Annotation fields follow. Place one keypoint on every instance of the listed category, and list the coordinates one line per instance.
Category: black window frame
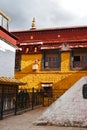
(48, 92)
(81, 62)
(18, 58)
(50, 52)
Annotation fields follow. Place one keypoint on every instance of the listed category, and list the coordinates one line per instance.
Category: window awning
(50, 47)
(10, 81)
(77, 45)
(31, 43)
(46, 84)
(59, 46)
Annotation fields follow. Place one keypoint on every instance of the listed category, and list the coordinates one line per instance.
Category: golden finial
(33, 24)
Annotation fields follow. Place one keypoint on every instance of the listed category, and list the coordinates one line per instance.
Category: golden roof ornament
(33, 24)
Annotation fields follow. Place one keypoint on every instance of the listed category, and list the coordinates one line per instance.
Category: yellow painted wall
(62, 79)
(65, 61)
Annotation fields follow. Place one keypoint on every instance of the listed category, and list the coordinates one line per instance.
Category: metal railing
(19, 100)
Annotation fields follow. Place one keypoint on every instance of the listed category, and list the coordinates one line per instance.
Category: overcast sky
(48, 13)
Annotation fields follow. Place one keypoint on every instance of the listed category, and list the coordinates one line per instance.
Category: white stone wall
(7, 59)
(68, 110)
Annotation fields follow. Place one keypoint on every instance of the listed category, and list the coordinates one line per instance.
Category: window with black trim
(18, 61)
(51, 60)
(47, 91)
(79, 59)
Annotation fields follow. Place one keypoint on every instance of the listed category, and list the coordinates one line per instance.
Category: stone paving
(26, 121)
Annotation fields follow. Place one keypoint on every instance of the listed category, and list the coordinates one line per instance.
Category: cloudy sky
(48, 13)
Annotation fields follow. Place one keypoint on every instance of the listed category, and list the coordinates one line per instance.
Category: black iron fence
(14, 100)
(28, 99)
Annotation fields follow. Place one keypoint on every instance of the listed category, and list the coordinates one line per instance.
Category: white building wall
(7, 59)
